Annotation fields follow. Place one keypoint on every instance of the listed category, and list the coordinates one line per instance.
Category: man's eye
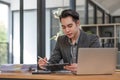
(70, 26)
(63, 27)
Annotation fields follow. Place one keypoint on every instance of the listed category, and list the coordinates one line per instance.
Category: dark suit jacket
(63, 48)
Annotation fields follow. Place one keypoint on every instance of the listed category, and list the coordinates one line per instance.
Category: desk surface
(115, 76)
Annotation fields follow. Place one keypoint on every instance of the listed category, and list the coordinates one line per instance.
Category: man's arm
(56, 55)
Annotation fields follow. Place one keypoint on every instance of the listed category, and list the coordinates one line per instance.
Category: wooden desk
(26, 76)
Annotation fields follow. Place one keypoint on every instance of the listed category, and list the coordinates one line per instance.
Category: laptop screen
(96, 60)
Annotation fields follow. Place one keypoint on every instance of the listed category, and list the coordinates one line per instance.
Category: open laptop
(96, 60)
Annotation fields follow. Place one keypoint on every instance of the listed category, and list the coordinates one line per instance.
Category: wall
(8, 1)
(32, 4)
(116, 13)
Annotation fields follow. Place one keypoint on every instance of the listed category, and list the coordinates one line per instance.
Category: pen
(43, 59)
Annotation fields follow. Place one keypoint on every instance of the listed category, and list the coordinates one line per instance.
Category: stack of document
(17, 67)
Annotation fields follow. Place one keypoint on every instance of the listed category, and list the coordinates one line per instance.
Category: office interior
(32, 26)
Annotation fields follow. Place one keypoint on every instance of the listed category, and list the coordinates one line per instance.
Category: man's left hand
(72, 67)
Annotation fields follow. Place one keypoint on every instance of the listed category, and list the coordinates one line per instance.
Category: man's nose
(67, 30)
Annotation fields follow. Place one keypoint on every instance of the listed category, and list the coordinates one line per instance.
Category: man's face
(69, 27)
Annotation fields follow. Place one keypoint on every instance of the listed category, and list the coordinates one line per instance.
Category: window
(30, 37)
(4, 11)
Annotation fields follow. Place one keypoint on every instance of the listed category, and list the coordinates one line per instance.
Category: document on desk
(41, 72)
(49, 72)
(17, 67)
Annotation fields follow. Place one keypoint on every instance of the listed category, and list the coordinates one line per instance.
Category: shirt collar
(69, 40)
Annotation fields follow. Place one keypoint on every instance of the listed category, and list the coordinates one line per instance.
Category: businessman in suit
(67, 45)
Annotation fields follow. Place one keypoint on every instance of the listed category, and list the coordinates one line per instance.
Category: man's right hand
(42, 62)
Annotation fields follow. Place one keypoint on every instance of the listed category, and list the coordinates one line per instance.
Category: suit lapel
(68, 53)
(67, 50)
(81, 39)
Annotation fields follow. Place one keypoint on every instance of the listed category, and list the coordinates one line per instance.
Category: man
(67, 45)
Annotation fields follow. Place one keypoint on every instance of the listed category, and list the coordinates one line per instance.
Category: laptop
(96, 60)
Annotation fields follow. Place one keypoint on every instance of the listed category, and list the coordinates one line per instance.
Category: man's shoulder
(89, 40)
(88, 35)
(62, 39)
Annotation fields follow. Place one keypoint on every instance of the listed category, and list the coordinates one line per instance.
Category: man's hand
(42, 62)
(72, 67)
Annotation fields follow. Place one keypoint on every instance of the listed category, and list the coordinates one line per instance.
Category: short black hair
(71, 13)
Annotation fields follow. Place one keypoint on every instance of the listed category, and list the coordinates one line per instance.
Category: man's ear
(78, 23)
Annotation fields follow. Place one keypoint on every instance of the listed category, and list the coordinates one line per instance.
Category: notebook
(96, 60)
